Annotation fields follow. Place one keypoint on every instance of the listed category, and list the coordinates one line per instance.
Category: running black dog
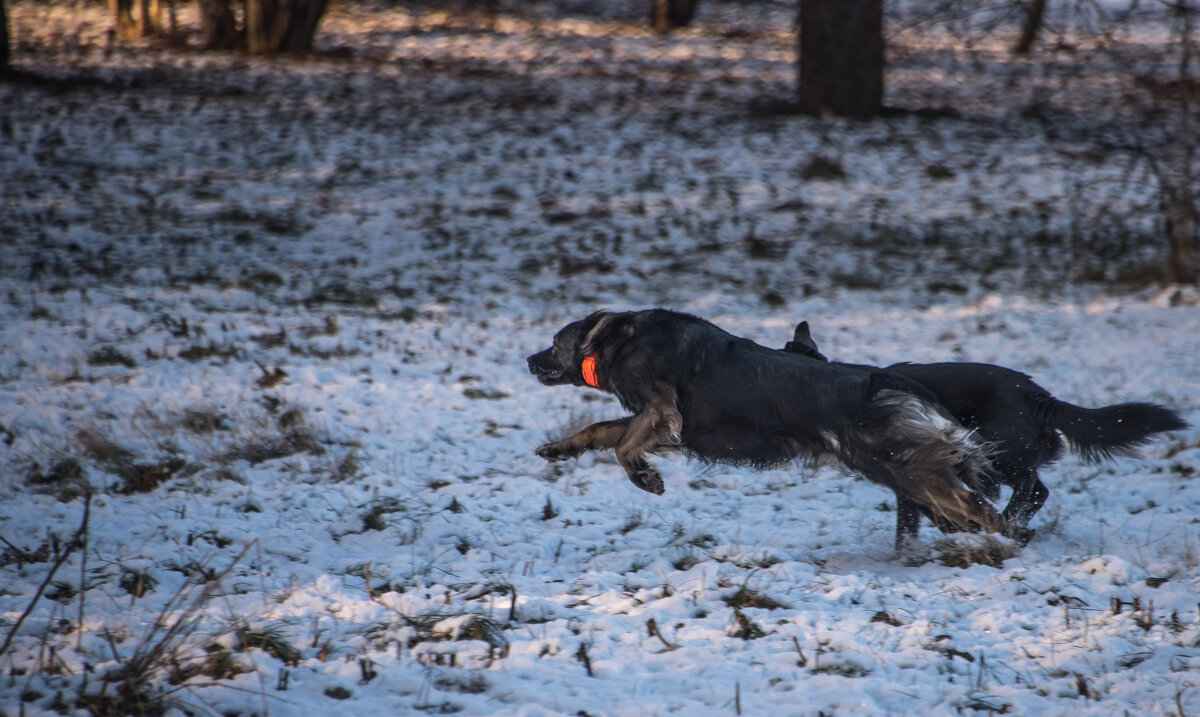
(1020, 421)
(725, 399)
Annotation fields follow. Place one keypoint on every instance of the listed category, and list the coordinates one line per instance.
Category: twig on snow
(62, 558)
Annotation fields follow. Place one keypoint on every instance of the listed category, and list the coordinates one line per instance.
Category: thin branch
(82, 577)
(12, 547)
(652, 628)
(62, 558)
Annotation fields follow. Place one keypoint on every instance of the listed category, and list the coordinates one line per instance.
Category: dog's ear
(802, 343)
(802, 335)
(608, 327)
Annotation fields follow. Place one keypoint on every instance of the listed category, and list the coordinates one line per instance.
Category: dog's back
(1004, 406)
(1008, 406)
(744, 403)
(1024, 422)
(748, 404)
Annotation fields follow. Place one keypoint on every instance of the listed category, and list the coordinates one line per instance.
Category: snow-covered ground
(273, 313)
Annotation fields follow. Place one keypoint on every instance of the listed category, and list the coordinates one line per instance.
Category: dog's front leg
(908, 522)
(596, 437)
(1029, 494)
(657, 424)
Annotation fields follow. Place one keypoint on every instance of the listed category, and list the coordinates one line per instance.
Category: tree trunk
(218, 28)
(5, 49)
(841, 57)
(172, 22)
(1035, 14)
(669, 14)
(136, 18)
(274, 26)
(1181, 256)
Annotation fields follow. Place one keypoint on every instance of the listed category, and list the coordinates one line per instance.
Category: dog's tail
(1098, 434)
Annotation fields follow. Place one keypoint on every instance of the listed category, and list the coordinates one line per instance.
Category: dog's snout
(538, 364)
(544, 366)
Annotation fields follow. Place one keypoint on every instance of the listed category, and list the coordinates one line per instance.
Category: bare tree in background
(840, 52)
(5, 49)
(136, 18)
(274, 26)
(1178, 194)
(218, 27)
(841, 57)
(1035, 16)
(271, 26)
(669, 14)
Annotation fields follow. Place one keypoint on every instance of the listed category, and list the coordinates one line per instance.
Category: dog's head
(563, 362)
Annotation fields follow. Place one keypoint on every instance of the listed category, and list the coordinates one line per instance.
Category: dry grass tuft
(267, 448)
(271, 640)
(373, 519)
(962, 550)
(203, 421)
(103, 449)
(197, 352)
(743, 627)
(136, 582)
(746, 597)
(65, 478)
(347, 468)
(472, 684)
(109, 356)
(15, 554)
(166, 654)
(137, 476)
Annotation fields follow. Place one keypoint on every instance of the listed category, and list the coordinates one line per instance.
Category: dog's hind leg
(596, 437)
(657, 424)
(958, 507)
(913, 447)
(908, 521)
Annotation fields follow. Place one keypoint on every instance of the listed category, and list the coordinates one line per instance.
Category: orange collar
(589, 371)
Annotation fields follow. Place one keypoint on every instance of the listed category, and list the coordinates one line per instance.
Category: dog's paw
(912, 552)
(1019, 534)
(648, 480)
(557, 451)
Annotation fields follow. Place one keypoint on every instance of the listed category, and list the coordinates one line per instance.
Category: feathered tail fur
(1098, 434)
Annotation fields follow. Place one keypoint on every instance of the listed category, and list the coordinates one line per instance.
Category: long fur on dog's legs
(949, 501)
(596, 437)
(656, 424)
(912, 447)
(632, 436)
(659, 423)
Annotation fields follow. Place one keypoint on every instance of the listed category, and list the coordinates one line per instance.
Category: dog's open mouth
(546, 375)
